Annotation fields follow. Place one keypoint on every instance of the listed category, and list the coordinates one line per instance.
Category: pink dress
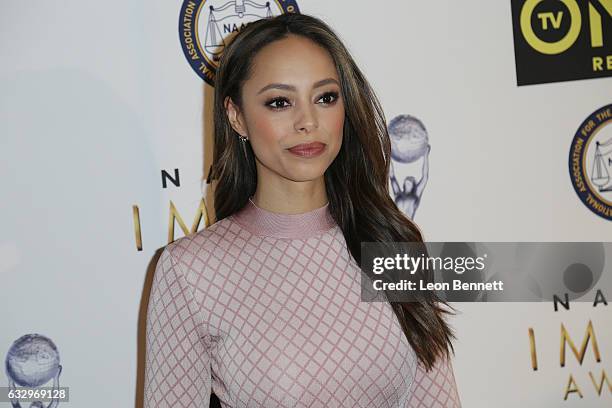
(265, 310)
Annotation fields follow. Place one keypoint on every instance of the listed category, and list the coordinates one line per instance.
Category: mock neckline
(267, 223)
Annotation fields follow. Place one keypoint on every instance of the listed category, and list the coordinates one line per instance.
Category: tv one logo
(562, 40)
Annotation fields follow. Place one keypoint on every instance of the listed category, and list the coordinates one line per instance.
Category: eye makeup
(282, 100)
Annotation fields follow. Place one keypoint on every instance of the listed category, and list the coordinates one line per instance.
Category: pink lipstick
(308, 149)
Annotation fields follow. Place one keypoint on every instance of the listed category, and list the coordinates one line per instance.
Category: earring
(243, 138)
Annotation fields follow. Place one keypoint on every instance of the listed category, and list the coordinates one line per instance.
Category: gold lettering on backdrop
(607, 114)
(565, 338)
(555, 20)
(188, 31)
(551, 48)
(598, 63)
(206, 71)
(572, 385)
(604, 377)
(575, 25)
(174, 215)
(532, 346)
(137, 234)
(600, 382)
(587, 128)
(596, 24)
(597, 206)
(576, 169)
(569, 390)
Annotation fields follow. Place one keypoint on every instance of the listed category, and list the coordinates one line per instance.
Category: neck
(281, 195)
(264, 222)
(288, 209)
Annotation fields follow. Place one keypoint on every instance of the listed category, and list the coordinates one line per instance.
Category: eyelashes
(280, 102)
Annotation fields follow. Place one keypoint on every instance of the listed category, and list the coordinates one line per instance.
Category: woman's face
(292, 98)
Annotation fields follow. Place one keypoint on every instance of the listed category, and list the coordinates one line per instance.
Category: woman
(263, 307)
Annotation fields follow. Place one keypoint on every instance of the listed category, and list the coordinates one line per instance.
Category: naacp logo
(590, 162)
(562, 40)
(204, 25)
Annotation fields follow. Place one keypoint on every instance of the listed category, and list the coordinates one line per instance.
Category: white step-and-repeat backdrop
(105, 119)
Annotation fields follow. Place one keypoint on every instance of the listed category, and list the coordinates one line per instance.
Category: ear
(235, 116)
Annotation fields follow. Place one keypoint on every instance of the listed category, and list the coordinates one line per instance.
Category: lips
(308, 149)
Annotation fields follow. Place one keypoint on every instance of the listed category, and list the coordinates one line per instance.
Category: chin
(305, 175)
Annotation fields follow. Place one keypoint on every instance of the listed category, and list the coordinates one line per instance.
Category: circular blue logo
(590, 162)
(203, 26)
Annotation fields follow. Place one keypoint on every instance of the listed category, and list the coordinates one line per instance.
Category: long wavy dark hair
(357, 180)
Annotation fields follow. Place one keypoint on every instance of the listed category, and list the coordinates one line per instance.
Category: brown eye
(277, 103)
(329, 98)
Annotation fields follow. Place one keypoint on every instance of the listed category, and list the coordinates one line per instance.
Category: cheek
(267, 128)
(335, 125)
(266, 133)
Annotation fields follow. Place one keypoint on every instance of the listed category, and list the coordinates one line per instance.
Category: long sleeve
(177, 365)
(436, 388)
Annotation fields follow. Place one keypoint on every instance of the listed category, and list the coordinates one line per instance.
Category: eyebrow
(293, 88)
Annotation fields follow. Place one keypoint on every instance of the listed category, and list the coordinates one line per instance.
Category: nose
(306, 120)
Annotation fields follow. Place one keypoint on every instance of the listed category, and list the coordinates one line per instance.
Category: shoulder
(194, 250)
